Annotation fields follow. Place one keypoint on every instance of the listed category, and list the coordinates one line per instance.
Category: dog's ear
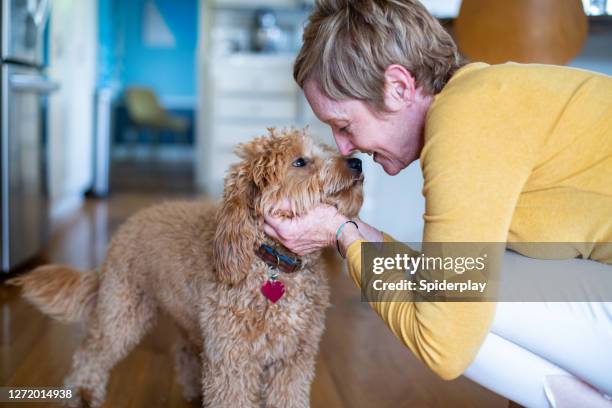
(234, 242)
(263, 155)
(237, 230)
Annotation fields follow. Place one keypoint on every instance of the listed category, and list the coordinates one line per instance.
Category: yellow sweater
(512, 152)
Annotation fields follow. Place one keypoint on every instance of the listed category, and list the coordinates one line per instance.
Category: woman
(511, 152)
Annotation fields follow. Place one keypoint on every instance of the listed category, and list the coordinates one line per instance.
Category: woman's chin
(391, 170)
(388, 166)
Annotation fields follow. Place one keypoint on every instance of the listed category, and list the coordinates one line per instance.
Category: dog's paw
(193, 395)
(196, 401)
(82, 398)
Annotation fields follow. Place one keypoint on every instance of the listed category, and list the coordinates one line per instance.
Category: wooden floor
(360, 363)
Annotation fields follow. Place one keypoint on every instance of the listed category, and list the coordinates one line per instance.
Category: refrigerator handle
(32, 83)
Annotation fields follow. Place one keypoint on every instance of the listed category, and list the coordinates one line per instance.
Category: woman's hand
(305, 234)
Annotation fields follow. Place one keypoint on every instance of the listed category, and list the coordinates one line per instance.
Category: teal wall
(125, 60)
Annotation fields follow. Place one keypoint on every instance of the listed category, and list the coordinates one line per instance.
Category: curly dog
(198, 263)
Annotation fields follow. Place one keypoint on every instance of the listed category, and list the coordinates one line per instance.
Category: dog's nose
(354, 164)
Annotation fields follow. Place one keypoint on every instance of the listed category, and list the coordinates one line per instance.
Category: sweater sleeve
(443, 335)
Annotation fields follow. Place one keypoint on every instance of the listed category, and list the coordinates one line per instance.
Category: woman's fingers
(306, 233)
(303, 250)
(280, 229)
(283, 206)
(271, 232)
(271, 220)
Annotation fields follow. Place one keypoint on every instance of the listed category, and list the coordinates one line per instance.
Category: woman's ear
(234, 242)
(399, 90)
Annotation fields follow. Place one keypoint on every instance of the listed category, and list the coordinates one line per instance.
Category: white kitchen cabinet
(282, 108)
(244, 94)
(257, 3)
(229, 135)
(257, 80)
(72, 65)
(439, 8)
(443, 8)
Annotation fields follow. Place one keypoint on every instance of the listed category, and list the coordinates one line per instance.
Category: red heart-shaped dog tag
(273, 290)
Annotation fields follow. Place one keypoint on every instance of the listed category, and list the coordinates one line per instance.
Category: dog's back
(164, 250)
(168, 248)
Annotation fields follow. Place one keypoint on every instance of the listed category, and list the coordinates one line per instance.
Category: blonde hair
(348, 45)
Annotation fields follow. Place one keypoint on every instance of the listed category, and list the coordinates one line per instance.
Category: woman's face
(393, 139)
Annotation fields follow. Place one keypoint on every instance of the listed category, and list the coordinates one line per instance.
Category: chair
(145, 112)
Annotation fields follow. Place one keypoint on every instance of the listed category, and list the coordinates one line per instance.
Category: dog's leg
(231, 386)
(288, 381)
(231, 375)
(188, 365)
(121, 318)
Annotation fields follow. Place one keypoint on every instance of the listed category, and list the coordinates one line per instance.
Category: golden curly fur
(196, 262)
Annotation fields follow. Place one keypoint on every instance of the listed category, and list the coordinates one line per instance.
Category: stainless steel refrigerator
(23, 171)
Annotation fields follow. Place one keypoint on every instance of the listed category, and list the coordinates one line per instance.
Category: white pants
(531, 343)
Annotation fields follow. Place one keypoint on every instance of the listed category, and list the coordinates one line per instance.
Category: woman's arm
(364, 232)
(444, 335)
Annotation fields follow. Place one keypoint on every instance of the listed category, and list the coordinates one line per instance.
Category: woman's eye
(299, 162)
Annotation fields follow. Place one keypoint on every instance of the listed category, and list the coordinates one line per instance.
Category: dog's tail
(62, 292)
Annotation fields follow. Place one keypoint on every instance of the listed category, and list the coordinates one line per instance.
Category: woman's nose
(344, 144)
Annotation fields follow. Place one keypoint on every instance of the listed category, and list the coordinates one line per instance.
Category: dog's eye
(299, 163)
